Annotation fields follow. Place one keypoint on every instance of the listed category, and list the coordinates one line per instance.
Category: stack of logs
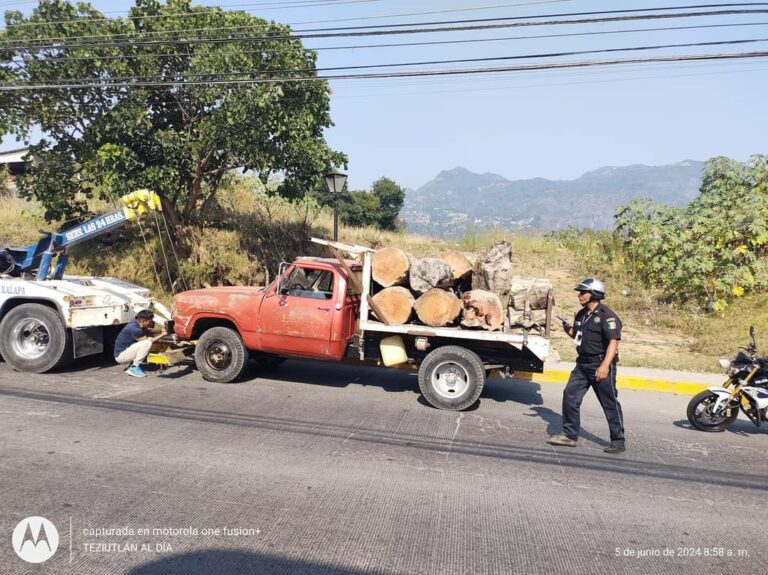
(453, 289)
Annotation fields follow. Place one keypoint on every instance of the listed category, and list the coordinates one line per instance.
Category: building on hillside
(15, 162)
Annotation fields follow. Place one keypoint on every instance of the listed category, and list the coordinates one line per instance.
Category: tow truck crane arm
(38, 257)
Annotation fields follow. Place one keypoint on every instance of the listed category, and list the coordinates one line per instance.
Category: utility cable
(221, 75)
(406, 74)
(386, 29)
(407, 44)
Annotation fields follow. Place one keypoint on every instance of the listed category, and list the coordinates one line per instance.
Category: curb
(623, 382)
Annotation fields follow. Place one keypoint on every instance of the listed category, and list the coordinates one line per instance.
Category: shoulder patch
(597, 319)
(611, 322)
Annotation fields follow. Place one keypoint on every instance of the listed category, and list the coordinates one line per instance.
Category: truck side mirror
(282, 289)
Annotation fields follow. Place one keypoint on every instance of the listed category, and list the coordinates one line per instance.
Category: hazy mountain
(457, 199)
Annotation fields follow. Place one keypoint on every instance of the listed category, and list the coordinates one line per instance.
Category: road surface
(321, 468)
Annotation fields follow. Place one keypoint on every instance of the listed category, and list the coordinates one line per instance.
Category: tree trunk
(396, 303)
(460, 264)
(389, 266)
(482, 309)
(530, 292)
(438, 308)
(428, 273)
(493, 271)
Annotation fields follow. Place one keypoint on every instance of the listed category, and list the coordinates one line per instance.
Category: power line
(220, 75)
(407, 44)
(404, 74)
(237, 7)
(152, 16)
(302, 32)
(231, 39)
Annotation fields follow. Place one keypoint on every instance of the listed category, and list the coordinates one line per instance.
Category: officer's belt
(591, 358)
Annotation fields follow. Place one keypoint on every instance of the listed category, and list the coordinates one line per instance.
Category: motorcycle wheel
(700, 413)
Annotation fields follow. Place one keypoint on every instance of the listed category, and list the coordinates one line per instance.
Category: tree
(109, 134)
(714, 249)
(379, 207)
(391, 198)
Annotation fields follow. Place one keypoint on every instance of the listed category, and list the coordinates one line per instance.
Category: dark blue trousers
(582, 378)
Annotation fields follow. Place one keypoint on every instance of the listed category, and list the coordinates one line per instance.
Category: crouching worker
(134, 342)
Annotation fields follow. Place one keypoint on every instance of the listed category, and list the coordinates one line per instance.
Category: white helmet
(593, 286)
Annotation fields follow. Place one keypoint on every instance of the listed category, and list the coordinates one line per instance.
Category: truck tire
(451, 378)
(34, 339)
(221, 355)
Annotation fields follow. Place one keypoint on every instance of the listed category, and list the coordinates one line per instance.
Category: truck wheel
(33, 339)
(221, 355)
(451, 378)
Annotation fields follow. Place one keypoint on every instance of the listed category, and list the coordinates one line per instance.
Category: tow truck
(47, 318)
(321, 308)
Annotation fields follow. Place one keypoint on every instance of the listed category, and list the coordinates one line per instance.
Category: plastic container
(392, 351)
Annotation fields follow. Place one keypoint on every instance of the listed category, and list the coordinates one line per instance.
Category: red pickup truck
(319, 308)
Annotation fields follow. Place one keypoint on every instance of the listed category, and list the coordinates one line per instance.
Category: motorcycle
(746, 388)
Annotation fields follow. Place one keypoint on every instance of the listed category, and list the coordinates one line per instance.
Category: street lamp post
(335, 184)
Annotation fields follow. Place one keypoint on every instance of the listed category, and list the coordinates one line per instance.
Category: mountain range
(458, 200)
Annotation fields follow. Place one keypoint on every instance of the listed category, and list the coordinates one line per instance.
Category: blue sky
(554, 124)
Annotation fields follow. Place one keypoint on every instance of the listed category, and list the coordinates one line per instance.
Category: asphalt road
(317, 468)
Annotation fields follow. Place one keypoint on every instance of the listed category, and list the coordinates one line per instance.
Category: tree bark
(493, 271)
(428, 273)
(530, 292)
(482, 309)
(396, 303)
(389, 266)
(438, 308)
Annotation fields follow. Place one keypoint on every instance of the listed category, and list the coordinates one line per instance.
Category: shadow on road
(739, 427)
(216, 561)
(411, 440)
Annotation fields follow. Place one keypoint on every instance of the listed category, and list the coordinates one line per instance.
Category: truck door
(297, 316)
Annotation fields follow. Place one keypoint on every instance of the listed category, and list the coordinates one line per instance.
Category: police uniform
(593, 331)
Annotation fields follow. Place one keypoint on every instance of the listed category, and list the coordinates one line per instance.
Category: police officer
(596, 331)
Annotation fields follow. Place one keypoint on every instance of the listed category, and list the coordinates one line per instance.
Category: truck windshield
(308, 282)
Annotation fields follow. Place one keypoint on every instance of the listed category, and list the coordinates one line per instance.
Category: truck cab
(309, 311)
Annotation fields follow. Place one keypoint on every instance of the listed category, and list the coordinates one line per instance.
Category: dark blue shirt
(128, 336)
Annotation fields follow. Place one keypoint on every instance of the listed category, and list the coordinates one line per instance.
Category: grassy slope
(267, 231)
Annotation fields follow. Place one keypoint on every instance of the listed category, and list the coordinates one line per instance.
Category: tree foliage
(378, 208)
(179, 139)
(712, 250)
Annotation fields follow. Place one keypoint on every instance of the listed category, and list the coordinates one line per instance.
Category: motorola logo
(35, 539)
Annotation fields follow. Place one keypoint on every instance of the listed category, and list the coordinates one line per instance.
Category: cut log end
(396, 303)
(482, 309)
(461, 267)
(389, 266)
(438, 308)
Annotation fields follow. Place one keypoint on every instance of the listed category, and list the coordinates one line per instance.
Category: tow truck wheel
(33, 339)
(221, 355)
(451, 378)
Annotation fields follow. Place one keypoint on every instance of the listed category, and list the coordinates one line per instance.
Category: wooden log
(427, 273)
(460, 264)
(396, 303)
(438, 307)
(482, 309)
(530, 292)
(493, 271)
(389, 266)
